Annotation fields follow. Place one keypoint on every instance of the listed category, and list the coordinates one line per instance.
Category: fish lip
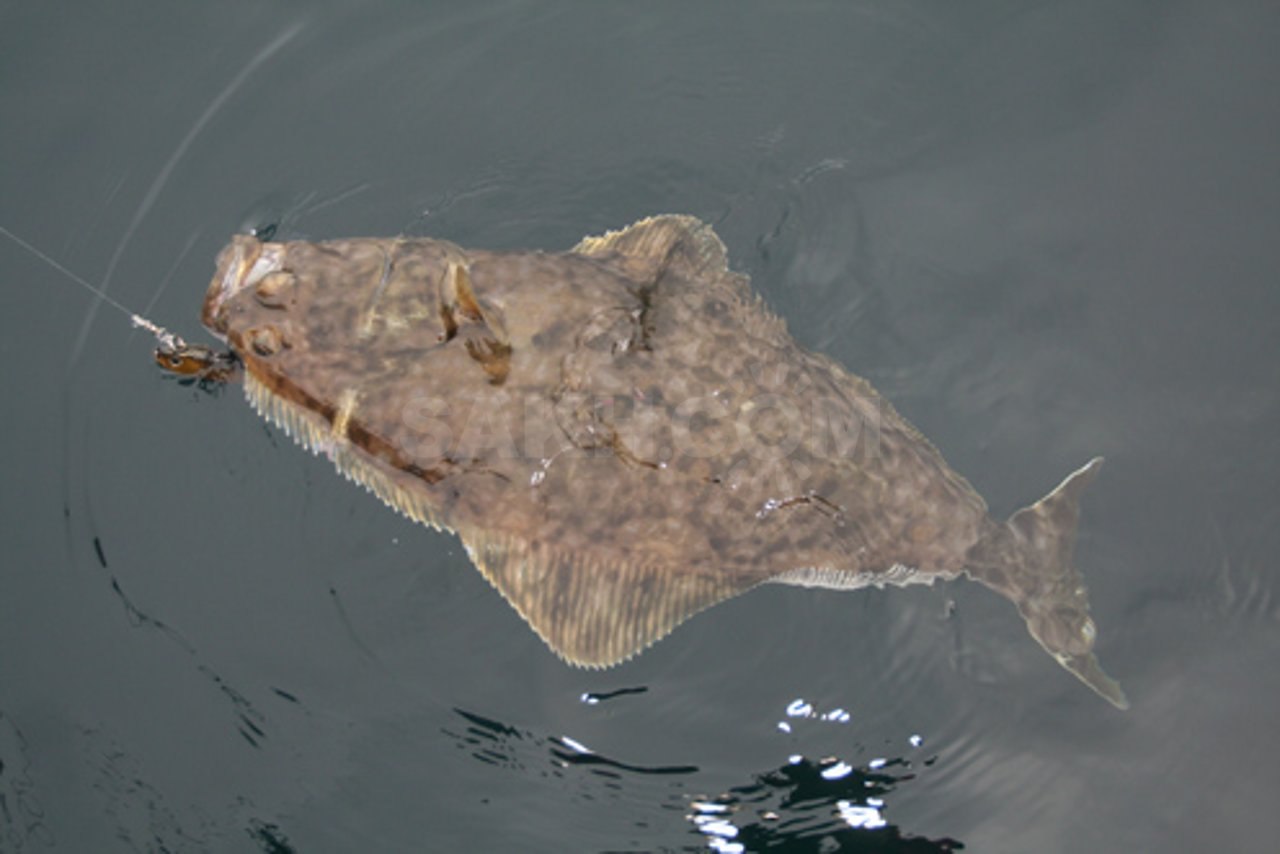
(241, 264)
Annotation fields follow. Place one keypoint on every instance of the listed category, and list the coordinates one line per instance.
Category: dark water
(1045, 231)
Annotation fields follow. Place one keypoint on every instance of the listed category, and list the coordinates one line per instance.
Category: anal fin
(591, 612)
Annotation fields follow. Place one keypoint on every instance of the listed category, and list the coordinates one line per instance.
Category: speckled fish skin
(621, 434)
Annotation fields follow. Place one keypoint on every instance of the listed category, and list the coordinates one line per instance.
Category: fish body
(621, 434)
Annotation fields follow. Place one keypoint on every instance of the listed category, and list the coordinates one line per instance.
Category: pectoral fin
(459, 305)
(481, 325)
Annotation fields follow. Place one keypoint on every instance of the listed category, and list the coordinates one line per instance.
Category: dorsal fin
(594, 613)
(681, 243)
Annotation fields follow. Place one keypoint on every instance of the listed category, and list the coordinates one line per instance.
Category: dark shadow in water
(22, 817)
(141, 816)
(249, 721)
(269, 837)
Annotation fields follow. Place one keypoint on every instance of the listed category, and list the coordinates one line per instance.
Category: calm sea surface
(1044, 231)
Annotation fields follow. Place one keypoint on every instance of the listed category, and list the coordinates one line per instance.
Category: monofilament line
(163, 336)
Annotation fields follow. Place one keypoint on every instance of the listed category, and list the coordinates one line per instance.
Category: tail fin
(1047, 587)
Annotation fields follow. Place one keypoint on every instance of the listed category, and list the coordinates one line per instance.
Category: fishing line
(164, 337)
(162, 178)
(80, 280)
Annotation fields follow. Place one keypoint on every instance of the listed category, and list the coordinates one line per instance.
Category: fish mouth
(241, 264)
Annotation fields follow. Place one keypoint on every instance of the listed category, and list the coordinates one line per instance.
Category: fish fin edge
(591, 614)
(683, 241)
(1056, 605)
(315, 434)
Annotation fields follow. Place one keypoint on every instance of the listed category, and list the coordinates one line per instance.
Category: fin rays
(592, 613)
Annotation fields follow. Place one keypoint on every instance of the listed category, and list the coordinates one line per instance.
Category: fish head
(432, 359)
(472, 391)
(364, 296)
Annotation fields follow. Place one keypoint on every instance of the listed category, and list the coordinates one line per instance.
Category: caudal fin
(1048, 589)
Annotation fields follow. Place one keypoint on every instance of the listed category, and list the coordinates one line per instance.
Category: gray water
(1044, 231)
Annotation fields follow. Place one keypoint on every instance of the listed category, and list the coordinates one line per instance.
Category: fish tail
(1030, 559)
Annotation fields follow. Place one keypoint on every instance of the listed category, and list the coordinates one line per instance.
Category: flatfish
(622, 434)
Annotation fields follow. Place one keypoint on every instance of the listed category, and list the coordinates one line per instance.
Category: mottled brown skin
(622, 434)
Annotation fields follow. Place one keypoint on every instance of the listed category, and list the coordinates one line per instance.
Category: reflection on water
(832, 803)
(813, 805)
(591, 698)
(491, 740)
(823, 803)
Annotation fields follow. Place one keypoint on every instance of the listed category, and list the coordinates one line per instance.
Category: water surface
(1044, 233)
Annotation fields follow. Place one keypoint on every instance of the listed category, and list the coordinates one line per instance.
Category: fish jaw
(243, 263)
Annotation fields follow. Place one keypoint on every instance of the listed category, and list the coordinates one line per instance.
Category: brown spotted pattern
(622, 434)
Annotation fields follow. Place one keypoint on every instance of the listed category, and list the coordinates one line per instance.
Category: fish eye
(1088, 631)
